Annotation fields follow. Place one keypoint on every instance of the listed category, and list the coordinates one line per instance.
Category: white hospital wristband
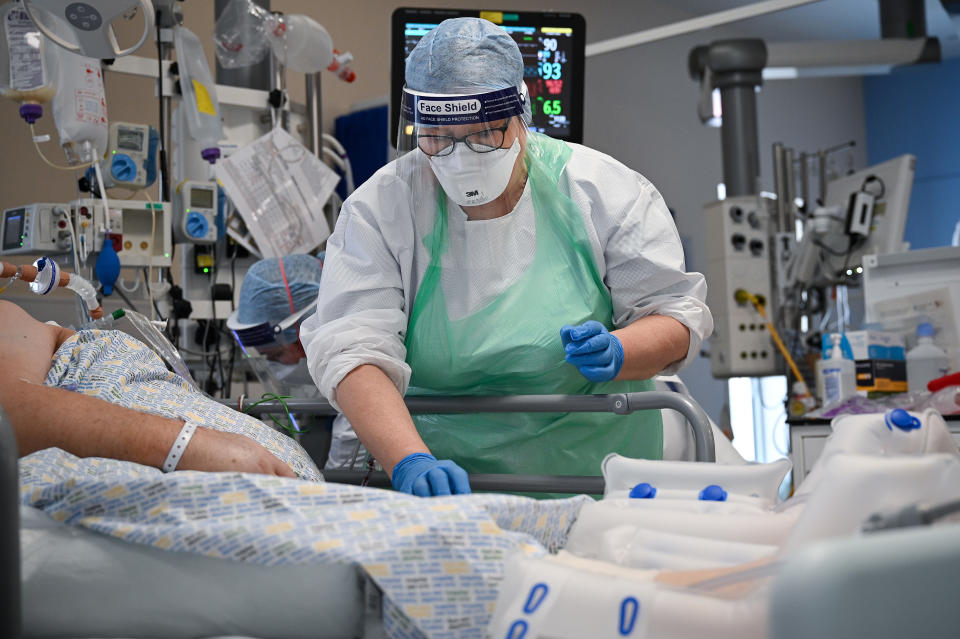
(179, 446)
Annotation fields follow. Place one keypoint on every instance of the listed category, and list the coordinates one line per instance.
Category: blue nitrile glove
(422, 475)
(593, 350)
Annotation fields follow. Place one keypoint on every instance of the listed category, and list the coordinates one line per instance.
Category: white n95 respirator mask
(470, 178)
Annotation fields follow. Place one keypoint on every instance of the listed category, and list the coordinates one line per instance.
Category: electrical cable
(126, 299)
(742, 297)
(164, 177)
(871, 179)
(218, 360)
(233, 307)
(156, 307)
(823, 247)
(121, 283)
(292, 430)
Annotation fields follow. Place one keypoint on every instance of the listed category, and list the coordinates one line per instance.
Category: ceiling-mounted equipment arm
(735, 67)
(91, 22)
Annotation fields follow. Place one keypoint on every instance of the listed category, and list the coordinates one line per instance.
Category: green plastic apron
(512, 346)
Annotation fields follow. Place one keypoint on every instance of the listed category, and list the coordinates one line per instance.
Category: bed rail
(10, 623)
(621, 403)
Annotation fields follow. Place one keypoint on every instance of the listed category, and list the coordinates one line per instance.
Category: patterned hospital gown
(115, 367)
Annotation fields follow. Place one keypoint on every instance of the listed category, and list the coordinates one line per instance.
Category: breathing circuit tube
(44, 275)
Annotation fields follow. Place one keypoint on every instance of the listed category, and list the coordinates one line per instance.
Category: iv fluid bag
(27, 59)
(199, 93)
(80, 107)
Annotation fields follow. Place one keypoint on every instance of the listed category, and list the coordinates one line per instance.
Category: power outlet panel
(738, 257)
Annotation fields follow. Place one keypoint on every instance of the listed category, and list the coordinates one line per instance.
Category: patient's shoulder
(10, 311)
(26, 345)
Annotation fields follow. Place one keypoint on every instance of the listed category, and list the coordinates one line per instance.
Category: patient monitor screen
(552, 45)
(12, 228)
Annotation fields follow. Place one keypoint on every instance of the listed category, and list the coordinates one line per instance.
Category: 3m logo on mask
(472, 193)
(448, 107)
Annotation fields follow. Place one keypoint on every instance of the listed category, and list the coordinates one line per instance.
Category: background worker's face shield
(468, 143)
(275, 354)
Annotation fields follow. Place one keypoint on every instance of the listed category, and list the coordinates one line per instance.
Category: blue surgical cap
(466, 55)
(263, 295)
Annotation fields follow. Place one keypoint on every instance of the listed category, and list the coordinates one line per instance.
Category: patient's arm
(44, 417)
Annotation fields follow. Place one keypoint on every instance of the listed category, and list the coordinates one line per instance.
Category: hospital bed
(341, 600)
(120, 567)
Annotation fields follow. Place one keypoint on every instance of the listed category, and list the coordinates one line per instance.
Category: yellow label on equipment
(495, 17)
(204, 103)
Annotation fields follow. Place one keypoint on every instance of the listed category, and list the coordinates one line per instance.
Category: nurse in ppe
(491, 260)
(275, 296)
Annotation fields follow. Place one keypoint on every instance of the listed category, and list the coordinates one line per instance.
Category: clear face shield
(274, 353)
(468, 143)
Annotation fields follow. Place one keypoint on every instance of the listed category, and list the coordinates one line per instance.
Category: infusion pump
(195, 215)
(131, 156)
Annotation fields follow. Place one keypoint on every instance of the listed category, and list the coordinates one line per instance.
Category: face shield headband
(266, 334)
(431, 109)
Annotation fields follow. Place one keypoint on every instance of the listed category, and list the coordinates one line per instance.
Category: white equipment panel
(35, 229)
(131, 222)
(738, 257)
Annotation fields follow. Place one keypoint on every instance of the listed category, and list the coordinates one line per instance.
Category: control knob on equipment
(123, 168)
(196, 225)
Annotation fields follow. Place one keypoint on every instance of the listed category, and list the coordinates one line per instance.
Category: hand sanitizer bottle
(838, 376)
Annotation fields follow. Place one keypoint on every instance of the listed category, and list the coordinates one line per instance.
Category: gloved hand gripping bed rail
(621, 404)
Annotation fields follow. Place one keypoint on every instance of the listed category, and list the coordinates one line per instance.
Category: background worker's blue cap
(263, 293)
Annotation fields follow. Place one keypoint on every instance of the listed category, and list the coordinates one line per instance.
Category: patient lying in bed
(106, 394)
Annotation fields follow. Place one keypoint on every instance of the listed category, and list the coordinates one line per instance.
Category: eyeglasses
(479, 141)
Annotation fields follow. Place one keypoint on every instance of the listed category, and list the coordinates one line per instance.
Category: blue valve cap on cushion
(901, 419)
(643, 491)
(713, 493)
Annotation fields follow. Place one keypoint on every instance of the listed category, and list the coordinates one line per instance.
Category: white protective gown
(376, 260)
